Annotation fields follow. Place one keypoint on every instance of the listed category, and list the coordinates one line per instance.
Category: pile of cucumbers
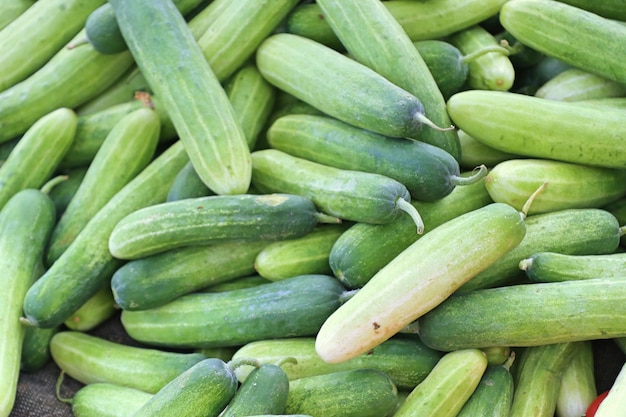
(314, 208)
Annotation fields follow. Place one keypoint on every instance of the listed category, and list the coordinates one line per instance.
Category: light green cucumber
(575, 84)
(494, 394)
(578, 382)
(553, 266)
(103, 399)
(448, 386)
(99, 308)
(475, 153)
(11, 10)
(414, 282)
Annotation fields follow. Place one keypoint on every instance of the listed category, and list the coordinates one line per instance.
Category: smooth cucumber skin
(527, 315)
(292, 307)
(99, 308)
(362, 250)
(413, 283)
(474, 153)
(202, 390)
(541, 128)
(102, 399)
(188, 185)
(211, 219)
(62, 193)
(613, 9)
(493, 396)
(588, 232)
(358, 392)
(36, 348)
(445, 62)
(11, 10)
(576, 84)
(552, 266)
(569, 186)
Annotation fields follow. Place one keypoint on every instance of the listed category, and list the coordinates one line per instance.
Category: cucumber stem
(485, 50)
(327, 218)
(509, 361)
(622, 231)
(79, 42)
(421, 117)
(478, 174)
(532, 197)
(410, 209)
(236, 363)
(286, 359)
(28, 322)
(57, 389)
(524, 264)
(53, 182)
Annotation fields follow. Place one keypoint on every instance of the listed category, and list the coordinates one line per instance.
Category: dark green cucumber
(573, 232)
(350, 195)
(238, 283)
(91, 359)
(527, 315)
(552, 266)
(611, 9)
(528, 80)
(291, 307)
(188, 185)
(494, 394)
(575, 84)
(212, 219)
(36, 348)
(102, 399)
(446, 65)
(155, 280)
(63, 192)
(351, 393)
(521, 55)
(98, 309)
(577, 388)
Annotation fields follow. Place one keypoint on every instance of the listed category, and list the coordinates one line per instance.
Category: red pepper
(593, 407)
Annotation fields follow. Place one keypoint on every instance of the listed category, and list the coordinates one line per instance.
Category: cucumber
(204, 389)
(238, 283)
(618, 209)
(37, 154)
(36, 348)
(357, 392)
(413, 283)
(87, 264)
(527, 20)
(89, 359)
(11, 10)
(528, 315)
(155, 280)
(349, 195)
(528, 80)
(588, 232)
(26, 221)
(102, 399)
(540, 128)
(494, 394)
(212, 219)
(188, 185)
(448, 387)
(521, 56)
(428, 172)
(613, 403)
(291, 307)
(215, 143)
(575, 84)
(474, 153)
(63, 192)
(98, 309)
(568, 185)
(552, 266)
(578, 382)
(126, 151)
(362, 250)
(611, 9)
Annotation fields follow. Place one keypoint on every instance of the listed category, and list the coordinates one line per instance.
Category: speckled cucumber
(552, 266)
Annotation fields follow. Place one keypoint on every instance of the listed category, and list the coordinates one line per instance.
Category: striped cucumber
(575, 84)
(415, 282)
(103, 399)
(553, 266)
(578, 382)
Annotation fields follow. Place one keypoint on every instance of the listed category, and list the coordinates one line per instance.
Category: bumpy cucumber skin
(102, 399)
(553, 266)
(493, 395)
(291, 307)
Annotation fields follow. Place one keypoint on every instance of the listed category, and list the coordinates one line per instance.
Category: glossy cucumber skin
(589, 232)
(176, 69)
(413, 283)
(535, 314)
(445, 62)
(25, 225)
(153, 281)
(87, 264)
(424, 169)
(90, 359)
(349, 195)
(493, 395)
(211, 219)
(357, 392)
(102, 399)
(345, 89)
(362, 250)
(526, 19)
(536, 127)
(292, 307)
(569, 186)
(575, 84)
(552, 266)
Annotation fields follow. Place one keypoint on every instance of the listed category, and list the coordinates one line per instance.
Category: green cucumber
(291, 307)
(188, 185)
(567, 185)
(362, 250)
(611, 9)
(406, 360)
(155, 280)
(349, 195)
(95, 311)
(587, 232)
(527, 20)
(575, 84)
(238, 283)
(448, 387)
(536, 127)
(38, 33)
(614, 402)
(26, 222)
(215, 143)
(11, 10)
(428, 172)
(299, 256)
(63, 192)
(528, 80)
(552, 266)
(202, 390)
(494, 394)
(414, 282)
(89, 359)
(528, 315)
(475, 153)
(36, 348)
(127, 150)
(373, 37)
(212, 219)
(351, 393)
(87, 264)
(102, 399)
(521, 56)
(38, 153)
(618, 209)
(578, 382)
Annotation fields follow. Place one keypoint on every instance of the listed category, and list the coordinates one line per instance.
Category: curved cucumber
(552, 266)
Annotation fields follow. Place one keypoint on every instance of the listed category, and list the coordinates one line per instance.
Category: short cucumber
(350, 195)
(575, 84)
(536, 127)
(413, 283)
(448, 386)
(103, 399)
(494, 394)
(188, 185)
(528, 315)
(577, 388)
(553, 266)
(95, 311)
(521, 55)
(351, 393)
(291, 307)
(212, 219)
(90, 359)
